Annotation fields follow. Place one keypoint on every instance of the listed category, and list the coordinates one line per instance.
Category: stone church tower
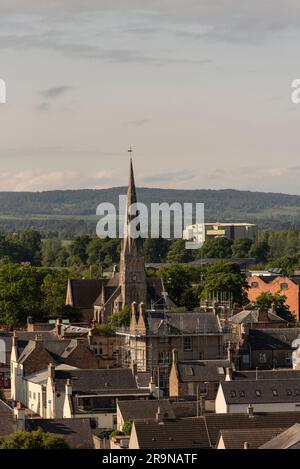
(132, 277)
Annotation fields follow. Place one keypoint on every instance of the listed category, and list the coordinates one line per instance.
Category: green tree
(226, 278)
(178, 252)
(33, 440)
(286, 263)
(20, 293)
(277, 301)
(190, 297)
(53, 288)
(127, 427)
(218, 248)
(241, 247)
(177, 280)
(103, 252)
(156, 249)
(54, 254)
(79, 249)
(260, 250)
(119, 319)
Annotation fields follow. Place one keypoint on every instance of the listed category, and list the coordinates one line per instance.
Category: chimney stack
(68, 388)
(58, 327)
(152, 387)
(142, 308)
(30, 327)
(228, 376)
(158, 416)
(19, 414)
(263, 315)
(134, 368)
(230, 354)
(51, 371)
(174, 356)
(15, 339)
(134, 309)
(250, 410)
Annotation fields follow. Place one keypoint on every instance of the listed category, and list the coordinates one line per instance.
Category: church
(131, 282)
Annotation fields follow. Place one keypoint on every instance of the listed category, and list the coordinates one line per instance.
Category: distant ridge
(269, 210)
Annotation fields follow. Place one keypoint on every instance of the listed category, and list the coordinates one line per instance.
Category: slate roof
(58, 349)
(76, 432)
(96, 381)
(184, 409)
(216, 422)
(261, 391)
(276, 374)
(154, 291)
(192, 323)
(6, 419)
(139, 410)
(202, 370)
(285, 440)
(259, 339)
(287, 335)
(251, 316)
(84, 292)
(185, 433)
(235, 439)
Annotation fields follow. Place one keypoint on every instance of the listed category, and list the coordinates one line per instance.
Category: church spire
(132, 279)
(131, 191)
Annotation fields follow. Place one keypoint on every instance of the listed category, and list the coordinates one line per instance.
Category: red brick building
(288, 286)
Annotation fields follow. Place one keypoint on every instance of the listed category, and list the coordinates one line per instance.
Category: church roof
(84, 292)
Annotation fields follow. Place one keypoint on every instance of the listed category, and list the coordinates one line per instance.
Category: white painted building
(261, 395)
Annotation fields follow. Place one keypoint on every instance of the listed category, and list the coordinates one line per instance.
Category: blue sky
(200, 89)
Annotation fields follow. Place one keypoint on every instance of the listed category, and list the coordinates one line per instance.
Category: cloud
(43, 107)
(138, 122)
(173, 177)
(55, 91)
(39, 180)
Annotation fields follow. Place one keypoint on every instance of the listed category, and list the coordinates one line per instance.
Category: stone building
(131, 283)
(153, 335)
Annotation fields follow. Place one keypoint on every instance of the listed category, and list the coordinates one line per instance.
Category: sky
(201, 89)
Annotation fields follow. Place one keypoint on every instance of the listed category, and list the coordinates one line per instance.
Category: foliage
(287, 263)
(156, 249)
(260, 250)
(54, 254)
(216, 248)
(54, 289)
(106, 329)
(225, 277)
(266, 300)
(178, 252)
(24, 246)
(33, 440)
(177, 280)
(127, 427)
(20, 293)
(119, 319)
(241, 247)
